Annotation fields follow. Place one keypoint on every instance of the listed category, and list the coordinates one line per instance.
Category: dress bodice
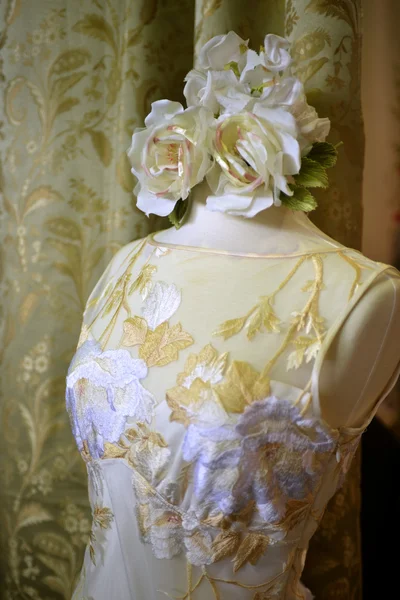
(193, 398)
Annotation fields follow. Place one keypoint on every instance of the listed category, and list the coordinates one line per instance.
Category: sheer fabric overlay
(193, 399)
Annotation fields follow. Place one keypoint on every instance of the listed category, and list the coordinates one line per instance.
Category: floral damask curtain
(76, 77)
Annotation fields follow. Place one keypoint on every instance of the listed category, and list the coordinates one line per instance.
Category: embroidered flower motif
(270, 455)
(169, 532)
(170, 155)
(103, 389)
(145, 450)
(193, 399)
(162, 302)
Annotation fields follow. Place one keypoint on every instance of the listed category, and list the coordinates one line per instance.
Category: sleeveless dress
(193, 399)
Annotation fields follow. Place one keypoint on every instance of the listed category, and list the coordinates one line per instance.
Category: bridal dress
(194, 401)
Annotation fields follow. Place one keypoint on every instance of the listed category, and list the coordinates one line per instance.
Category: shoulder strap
(333, 331)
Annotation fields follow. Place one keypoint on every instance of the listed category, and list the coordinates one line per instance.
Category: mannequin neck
(276, 230)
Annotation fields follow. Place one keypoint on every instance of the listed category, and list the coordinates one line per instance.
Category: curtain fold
(76, 78)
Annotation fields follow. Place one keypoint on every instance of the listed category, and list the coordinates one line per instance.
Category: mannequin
(365, 353)
(210, 446)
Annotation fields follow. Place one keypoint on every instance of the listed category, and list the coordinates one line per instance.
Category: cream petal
(291, 153)
(162, 302)
(221, 50)
(162, 110)
(240, 204)
(203, 60)
(276, 52)
(195, 83)
(277, 117)
(136, 150)
(151, 204)
(286, 92)
(252, 60)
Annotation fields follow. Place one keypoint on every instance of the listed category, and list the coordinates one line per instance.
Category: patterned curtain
(76, 77)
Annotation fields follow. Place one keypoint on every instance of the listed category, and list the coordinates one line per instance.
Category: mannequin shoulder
(364, 354)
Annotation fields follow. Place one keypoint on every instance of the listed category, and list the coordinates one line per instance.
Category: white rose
(221, 50)
(255, 153)
(311, 127)
(216, 90)
(170, 155)
(284, 92)
(275, 54)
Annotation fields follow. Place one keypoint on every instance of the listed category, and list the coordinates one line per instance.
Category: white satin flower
(311, 127)
(275, 54)
(170, 155)
(221, 50)
(216, 90)
(255, 153)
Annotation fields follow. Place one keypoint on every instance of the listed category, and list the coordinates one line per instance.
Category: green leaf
(302, 199)
(312, 174)
(179, 214)
(323, 153)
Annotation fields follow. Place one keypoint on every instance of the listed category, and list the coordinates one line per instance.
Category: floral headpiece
(248, 130)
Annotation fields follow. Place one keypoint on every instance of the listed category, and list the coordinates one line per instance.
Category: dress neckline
(198, 249)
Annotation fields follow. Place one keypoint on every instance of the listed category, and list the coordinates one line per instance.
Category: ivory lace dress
(193, 398)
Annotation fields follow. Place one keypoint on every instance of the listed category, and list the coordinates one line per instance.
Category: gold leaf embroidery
(263, 316)
(185, 478)
(305, 348)
(242, 385)
(102, 517)
(162, 345)
(251, 549)
(184, 402)
(135, 330)
(143, 282)
(113, 451)
(230, 328)
(246, 514)
(146, 437)
(225, 544)
(207, 360)
(295, 512)
(142, 512)
(219, 520)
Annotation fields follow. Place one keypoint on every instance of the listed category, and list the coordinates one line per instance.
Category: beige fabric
(71, 97)
(193, 398)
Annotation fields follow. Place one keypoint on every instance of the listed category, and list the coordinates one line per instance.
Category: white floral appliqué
(162, 302)
(269, 455)
(103, 390)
